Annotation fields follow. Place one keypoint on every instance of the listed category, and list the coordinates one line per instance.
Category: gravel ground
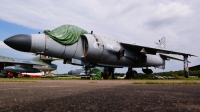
(97, 96)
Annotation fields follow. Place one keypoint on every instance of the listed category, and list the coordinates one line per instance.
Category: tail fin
(161, 43)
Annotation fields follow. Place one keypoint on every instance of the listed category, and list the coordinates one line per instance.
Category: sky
(133, 21)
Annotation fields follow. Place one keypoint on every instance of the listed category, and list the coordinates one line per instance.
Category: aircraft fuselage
(93, 49)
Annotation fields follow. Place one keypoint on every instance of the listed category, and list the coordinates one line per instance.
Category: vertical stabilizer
(161, 43)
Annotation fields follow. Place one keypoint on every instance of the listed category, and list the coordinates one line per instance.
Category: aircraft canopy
(66, 34)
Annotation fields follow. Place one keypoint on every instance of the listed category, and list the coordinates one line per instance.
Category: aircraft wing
(21, 63)
(151, 50)
(4, 59)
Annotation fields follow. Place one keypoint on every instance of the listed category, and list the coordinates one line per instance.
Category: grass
(135, 81)
(167, 83)
(45, 78)
(57, 78)
(16, 80)
(33, 79)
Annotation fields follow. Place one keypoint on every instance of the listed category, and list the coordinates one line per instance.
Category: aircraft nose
(21, 42)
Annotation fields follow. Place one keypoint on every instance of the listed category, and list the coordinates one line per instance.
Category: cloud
(168, 13)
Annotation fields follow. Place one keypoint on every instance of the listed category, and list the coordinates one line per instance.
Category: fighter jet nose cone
(21, 42)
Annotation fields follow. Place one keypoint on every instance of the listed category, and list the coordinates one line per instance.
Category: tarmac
(97, 96)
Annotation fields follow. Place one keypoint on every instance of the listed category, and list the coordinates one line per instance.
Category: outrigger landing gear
(186, 70)
(131, 74)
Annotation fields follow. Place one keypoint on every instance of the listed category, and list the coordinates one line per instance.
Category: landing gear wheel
(108, 73)
(97, 74)
(131, 75)
(134, 74)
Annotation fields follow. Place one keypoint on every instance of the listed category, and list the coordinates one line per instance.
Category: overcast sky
(134, 21)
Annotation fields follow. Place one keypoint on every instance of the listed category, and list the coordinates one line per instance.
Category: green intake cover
(66, 34)
(98, 74)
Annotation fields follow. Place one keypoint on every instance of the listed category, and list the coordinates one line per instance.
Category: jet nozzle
(21, 42)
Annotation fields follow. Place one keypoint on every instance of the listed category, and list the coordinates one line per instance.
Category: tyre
(134, 74)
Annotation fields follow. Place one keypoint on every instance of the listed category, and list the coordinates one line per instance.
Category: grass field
(133, 81)
(167, 82)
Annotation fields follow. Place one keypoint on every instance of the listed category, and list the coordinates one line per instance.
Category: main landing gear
(131, 74)
(108, 73)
